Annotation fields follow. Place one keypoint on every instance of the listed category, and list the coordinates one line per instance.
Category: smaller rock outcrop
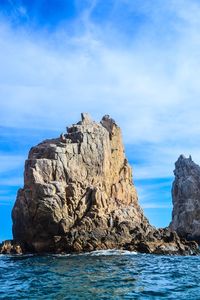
(10, 247)
(186, 199)
(164, 241)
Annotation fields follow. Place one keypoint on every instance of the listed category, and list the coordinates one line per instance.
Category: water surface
(100, 275)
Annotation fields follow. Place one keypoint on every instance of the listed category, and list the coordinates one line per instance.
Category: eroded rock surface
(186, 199)
(78, 192)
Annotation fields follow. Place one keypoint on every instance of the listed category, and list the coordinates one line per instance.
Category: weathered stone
(186, 199)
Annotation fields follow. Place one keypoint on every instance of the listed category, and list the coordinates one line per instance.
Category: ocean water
(100, 275)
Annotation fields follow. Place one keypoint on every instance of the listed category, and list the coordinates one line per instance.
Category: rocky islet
(79, 196)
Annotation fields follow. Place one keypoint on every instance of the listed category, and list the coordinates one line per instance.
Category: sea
(107, 274)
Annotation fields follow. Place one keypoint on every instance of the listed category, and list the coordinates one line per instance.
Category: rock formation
(10, 247)
(78, 192)
(163, 241)
(186, 199)
(79, 195)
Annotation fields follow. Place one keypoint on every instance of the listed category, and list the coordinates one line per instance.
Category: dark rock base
(160, 241)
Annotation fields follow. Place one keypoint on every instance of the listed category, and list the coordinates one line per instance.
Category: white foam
(61, 255)
(109, 252)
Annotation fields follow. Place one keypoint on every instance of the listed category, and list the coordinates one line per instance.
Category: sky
(136, 60)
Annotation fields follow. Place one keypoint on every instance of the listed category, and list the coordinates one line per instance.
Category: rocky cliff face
(78, 192)
(186, 199)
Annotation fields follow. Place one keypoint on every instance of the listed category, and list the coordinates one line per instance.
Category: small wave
(61, 255)
(109, 252)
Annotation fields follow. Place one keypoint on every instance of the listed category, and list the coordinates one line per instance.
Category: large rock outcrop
(186, 199)
(78, 192)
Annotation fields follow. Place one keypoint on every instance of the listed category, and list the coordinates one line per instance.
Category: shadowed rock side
(79, 195)
(186, 199)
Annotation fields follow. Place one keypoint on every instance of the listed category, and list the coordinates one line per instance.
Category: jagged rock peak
(186, 198)
(109, 123)
(183, 160)
(85, 119)
(185, 166)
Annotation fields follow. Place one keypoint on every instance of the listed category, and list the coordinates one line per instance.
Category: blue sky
(136, 60)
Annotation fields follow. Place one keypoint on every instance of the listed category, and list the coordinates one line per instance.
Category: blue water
(100, 275)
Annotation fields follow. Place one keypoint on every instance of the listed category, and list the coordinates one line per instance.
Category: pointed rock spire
(186, 198)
